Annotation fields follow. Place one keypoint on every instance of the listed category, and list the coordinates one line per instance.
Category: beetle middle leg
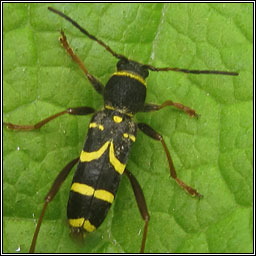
(156, 136)
(154, 107)
(71, 111)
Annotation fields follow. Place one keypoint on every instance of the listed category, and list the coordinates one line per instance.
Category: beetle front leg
(97, 85)
(154, 107)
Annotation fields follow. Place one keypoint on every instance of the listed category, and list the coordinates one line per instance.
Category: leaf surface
(214, 154)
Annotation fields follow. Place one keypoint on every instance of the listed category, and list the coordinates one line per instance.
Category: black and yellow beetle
(111, 134)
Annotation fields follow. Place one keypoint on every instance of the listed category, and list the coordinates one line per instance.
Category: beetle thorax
(126, 89)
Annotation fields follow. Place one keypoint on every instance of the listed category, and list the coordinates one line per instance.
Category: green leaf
(214, 154)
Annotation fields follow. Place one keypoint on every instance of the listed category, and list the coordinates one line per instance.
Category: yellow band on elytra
(76, 223)
(119, 167)
(89, 156)
(104, 195)
(82, 189)
(88, 226)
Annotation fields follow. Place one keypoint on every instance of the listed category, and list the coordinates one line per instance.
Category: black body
(124, 95)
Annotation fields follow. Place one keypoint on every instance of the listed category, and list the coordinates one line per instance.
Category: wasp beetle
(111, 133)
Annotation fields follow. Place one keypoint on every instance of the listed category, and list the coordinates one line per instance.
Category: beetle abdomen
(102, 163)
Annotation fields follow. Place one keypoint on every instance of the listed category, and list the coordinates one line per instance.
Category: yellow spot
(104, 195)
(129, 114)
(88, 226)
(76, 223)
(109, 107)
(89, 156)
(119, 167)
(131, 75)
(130, 136)
(95, 125)
(82, 189)
(118, 119)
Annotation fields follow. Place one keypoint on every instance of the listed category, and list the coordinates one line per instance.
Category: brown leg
(154, 135)
(98, 86)
(71, 111)
(154, 107)
(141, 202)
(49, 197)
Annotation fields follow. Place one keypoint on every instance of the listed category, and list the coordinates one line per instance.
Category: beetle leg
(49, 197)
(71, 111)
(156, 136)
(141, 202)
(97, 85)
(154, 107)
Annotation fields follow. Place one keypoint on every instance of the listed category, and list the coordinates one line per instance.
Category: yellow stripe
(82, 189)
(109, 107)
(89, 156)
(118, 119)
(119, 167)
(104, 195)
(76, 223)
(88, 226)
(95, 125)
(119, 110)
(126, 73)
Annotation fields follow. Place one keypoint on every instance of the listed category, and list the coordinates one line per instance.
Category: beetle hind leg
(141, 202)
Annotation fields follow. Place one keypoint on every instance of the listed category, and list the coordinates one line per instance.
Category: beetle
(111, 134)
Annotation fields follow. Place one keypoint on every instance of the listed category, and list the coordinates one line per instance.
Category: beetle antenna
(192, 71)
(150, 67)
(119, 56)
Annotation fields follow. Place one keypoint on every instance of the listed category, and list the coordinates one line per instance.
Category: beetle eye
(121, 63)
(145, 71)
